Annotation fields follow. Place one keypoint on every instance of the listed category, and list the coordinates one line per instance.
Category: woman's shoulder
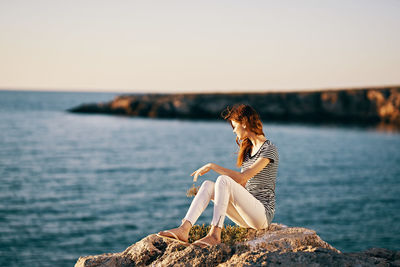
(269, 149)
(268, 144)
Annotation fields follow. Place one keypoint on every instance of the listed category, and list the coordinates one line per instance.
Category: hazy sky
(170, 46)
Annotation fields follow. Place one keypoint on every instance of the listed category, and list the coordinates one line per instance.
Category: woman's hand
(203, 170)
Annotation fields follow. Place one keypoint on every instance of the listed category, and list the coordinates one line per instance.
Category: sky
(198, 46)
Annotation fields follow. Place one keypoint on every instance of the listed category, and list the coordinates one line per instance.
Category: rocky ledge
(277, 246)
(371, 106)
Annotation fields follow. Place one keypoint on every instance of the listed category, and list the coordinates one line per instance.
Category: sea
(73, 185)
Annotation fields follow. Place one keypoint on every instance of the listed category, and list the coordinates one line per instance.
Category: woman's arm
(235, 175)
(239, 177)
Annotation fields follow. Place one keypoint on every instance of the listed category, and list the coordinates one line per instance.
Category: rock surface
(362, 106)
(277, 246)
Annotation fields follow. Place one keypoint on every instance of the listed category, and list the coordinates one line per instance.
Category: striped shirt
(262, 185)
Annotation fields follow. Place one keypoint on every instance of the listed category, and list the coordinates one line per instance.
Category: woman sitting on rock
(247, 197)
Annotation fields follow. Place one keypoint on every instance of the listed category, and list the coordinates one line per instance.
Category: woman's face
(239, 130)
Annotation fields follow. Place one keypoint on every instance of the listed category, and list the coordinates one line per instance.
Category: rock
(284, 239)
(277, 246)
(366, 106)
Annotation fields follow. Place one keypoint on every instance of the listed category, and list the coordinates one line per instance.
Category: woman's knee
(223, 179)
(208, 184)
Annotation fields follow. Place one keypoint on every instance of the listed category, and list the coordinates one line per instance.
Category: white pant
(232, 199)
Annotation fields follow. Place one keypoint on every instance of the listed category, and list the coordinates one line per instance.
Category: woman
(247, 197)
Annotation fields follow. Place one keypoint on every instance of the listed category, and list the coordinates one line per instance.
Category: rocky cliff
(277, 246)
(362, 106)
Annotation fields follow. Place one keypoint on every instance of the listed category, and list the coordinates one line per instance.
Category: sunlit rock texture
(277, 246)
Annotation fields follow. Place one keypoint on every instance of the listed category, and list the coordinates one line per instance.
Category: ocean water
(74, 184)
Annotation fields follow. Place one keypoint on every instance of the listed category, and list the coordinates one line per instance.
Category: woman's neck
(257, 140)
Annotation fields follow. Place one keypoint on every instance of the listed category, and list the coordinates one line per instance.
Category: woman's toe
(209, 240)
(164, 233)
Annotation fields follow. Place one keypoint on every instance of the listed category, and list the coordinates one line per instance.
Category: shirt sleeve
(269, 152)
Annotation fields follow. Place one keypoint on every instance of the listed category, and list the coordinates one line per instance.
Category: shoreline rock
(277, 246)
(371, 106)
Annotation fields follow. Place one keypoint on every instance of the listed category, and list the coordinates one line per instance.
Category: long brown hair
(245, 115)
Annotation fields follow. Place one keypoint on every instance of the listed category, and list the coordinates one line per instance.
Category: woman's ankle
(186, 226)
(215, 232)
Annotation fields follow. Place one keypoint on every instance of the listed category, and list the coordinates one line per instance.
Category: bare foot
(181, 233)
(209, 239)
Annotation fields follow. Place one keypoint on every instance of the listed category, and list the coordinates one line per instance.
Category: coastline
(371, 107)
